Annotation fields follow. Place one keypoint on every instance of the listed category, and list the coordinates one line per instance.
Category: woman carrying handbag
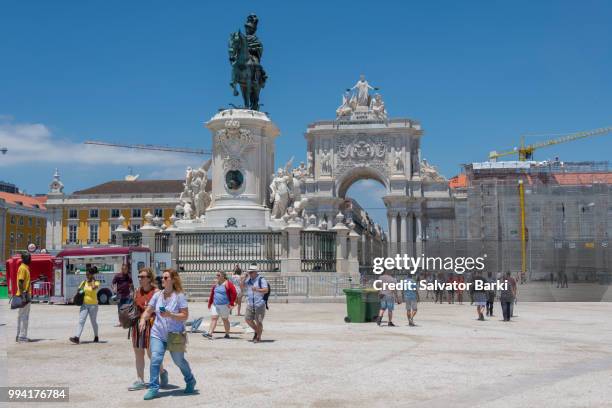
(87, 296)
(168, 331)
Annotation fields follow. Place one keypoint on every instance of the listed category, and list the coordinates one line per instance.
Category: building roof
(458, 181)
(135, 187)
(24, 200)
(575, 179)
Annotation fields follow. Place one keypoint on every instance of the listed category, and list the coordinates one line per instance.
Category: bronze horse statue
(245, 52)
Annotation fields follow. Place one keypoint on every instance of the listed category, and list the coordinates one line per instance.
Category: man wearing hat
(256, 289)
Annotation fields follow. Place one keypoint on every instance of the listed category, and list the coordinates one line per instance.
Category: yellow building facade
(89, 217)
(23, 221)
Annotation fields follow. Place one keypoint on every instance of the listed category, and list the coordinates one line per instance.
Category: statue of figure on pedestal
(399, 164)
(346, 108)
(326, 162)
(279, 197)
(195, 199)
(310, 164)
(363, 87)
(430, 173)
(378, 107)
(245, 51)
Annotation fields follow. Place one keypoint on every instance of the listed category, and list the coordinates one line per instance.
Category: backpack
(128, 315)
(267, 295)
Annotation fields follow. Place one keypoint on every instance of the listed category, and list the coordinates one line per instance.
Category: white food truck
(71, 265)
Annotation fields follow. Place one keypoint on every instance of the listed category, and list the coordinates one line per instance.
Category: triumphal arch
(364, 142)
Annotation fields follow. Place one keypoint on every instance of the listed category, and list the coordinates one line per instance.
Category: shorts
(480, 303)
(220, 310)
(411, 305)
(387, 303)
(255, 313)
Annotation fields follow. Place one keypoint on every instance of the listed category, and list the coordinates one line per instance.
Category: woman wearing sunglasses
(220, 302)
(168, 331)
(140, 339)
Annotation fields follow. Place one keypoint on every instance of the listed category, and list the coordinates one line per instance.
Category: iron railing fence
(132, 239)
(318, 251)
(220, 251)
(162, 242)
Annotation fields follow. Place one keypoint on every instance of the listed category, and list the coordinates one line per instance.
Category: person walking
(256, 288)
(123, 286)
(24, 290)
(388, 298)
(168, 331)
(508, 296)
(220, 302)
(236, 281)
(411, 297)
(141, 338)
(90, 305)
(490, 294)
(452, 279)
(480, 296)
(460, 282)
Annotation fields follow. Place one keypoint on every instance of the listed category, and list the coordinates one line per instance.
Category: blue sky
(476, 74)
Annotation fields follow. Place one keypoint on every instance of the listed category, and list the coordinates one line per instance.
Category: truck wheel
(104, 297)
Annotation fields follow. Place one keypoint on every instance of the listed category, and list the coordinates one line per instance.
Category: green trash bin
(3, 292)
(355, 306)
(372, 300)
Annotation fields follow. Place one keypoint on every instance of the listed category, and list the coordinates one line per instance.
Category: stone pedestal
(293, 262)
(242, 167)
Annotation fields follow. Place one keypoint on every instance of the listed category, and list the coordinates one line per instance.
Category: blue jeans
(158, 349)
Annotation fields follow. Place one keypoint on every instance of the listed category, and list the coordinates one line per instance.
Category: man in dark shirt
(123, 286)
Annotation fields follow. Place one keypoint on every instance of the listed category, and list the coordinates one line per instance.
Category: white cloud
(29, 143)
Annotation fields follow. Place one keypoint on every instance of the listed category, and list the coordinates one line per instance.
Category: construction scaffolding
(567, 219)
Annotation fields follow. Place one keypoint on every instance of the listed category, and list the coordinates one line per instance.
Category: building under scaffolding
(568, 218)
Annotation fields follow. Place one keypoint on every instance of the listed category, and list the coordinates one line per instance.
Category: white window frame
(70, 210)
(76, 233)
(118, 212)
(139, 213)
(97, 216)
(97, 232)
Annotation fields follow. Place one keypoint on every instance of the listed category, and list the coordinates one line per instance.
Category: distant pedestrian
(460, 283)
(552, 278)
(388, 298)
(24, 290)
(239, 294)
(480, 296)
(411, 297)
(90, 305)
(168, 331)
(439, 293)
(256, 288)
(123, 287)
(220, 302)
(490, 294)
(452, 279)
(508, 296)
(564, 282)
(141, 339)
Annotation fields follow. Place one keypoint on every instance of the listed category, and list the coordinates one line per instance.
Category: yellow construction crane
(525, 152)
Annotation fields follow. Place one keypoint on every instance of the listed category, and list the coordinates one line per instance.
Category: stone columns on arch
(419, 235)
(392, 233)
(403, 233)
